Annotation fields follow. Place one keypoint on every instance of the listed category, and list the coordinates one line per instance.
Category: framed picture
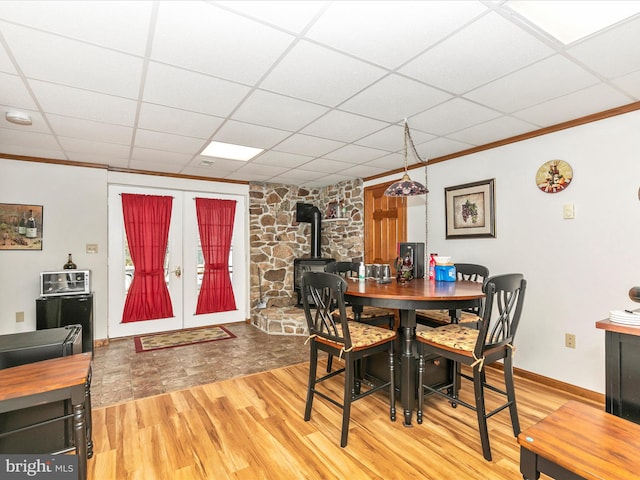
(470, 210)
(332, 210)
(20, 227)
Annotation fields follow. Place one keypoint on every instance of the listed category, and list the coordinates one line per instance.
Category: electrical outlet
(569, 340)
(19, 317)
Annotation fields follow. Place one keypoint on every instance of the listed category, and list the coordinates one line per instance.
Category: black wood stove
(308, 213)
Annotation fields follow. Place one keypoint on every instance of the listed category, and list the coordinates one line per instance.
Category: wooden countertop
(610, 326)
(45, 376)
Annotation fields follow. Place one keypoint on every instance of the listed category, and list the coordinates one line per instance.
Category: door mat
(180, 338)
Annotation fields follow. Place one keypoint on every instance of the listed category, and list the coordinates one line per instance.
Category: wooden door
(385, 225)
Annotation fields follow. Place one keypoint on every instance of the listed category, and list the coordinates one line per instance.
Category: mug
(385, 271)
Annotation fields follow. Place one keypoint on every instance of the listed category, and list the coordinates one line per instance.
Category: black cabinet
(623, 375)
(43, 428)
(53, 312)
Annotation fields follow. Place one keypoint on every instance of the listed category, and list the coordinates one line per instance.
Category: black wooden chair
(477, 348)
(437, 318)
(371, 315)
(351, 341)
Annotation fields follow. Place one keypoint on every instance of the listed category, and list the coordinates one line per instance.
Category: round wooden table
(418, 294)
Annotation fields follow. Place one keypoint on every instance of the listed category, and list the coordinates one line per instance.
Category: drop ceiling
(322, 87)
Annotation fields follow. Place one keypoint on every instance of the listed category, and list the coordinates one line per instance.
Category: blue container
(445, 273)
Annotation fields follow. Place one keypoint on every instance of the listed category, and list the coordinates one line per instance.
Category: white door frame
(183, 291)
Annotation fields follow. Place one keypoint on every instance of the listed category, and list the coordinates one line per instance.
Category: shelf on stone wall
(335, 219)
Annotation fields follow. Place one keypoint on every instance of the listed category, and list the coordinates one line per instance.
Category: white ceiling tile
(394, 98)
(388, 162)
(177, 121)
(196, 35)
(343, 126)
(277, 111)
(69, 62)
(38, 124)
(361, 171)
(261, 169)
(317, 74)
(14, 93)
(261, 73)
(169, 142)
(308, 145)
(88, 130)
(612, 53)
(6, 65)
(453, 115)
(534, 84)
(392, 138)
(179, 88)
(141, 155)
(34, 141)
(442, 146)
(324, 165)
(122, 25)
(88, 149)
(487, 49)
(493, 130)
(355, 154)
(283, 159)
(250, 135)
(371, 30)
(83, 104)
(630, 83)
(292, 16)
(579, 103)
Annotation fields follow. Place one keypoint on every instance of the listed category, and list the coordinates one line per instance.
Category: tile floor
(120, 374)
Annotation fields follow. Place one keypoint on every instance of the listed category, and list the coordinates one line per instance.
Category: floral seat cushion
(453, 336)
(442, 316)
(362, 336)
(367, 313)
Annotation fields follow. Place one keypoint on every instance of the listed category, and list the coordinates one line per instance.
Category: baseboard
(551, 382)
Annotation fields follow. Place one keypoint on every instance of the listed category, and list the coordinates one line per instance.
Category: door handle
(178, 271)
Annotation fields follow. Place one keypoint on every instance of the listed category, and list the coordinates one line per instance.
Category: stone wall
(276, 239)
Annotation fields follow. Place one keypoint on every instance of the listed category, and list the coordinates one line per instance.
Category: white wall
(577, 270)
(74, 201)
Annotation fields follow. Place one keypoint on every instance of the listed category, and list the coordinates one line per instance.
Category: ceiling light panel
(569, 21)
(230, 151)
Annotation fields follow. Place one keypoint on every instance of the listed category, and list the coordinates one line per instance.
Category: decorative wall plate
(554, 176)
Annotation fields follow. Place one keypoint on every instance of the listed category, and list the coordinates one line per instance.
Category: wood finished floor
(251, 427)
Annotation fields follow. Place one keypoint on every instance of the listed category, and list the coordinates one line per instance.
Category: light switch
(92, 248)
(568, 211)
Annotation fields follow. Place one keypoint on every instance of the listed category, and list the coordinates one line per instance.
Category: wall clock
(554, 176)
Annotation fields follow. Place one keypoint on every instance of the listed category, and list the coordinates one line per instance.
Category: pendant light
(406, 187)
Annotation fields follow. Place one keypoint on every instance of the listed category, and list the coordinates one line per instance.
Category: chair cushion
(453, 337)
(371, 312)
(367, 313)
(442, 316)
(362, 336)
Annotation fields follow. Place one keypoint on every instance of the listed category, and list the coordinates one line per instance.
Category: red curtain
(215, 223)
(146, 222)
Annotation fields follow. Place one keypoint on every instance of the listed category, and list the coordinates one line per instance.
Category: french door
(183, 264)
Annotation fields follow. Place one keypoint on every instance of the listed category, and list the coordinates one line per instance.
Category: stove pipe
(316, 233)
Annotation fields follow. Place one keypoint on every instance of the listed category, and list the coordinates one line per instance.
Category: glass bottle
(22, 226)
(31, 228)
(69, 265)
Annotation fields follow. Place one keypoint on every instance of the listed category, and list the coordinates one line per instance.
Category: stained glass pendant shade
(405, 187)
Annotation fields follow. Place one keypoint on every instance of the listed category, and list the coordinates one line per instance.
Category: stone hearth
(280, 320)
(276, 240)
